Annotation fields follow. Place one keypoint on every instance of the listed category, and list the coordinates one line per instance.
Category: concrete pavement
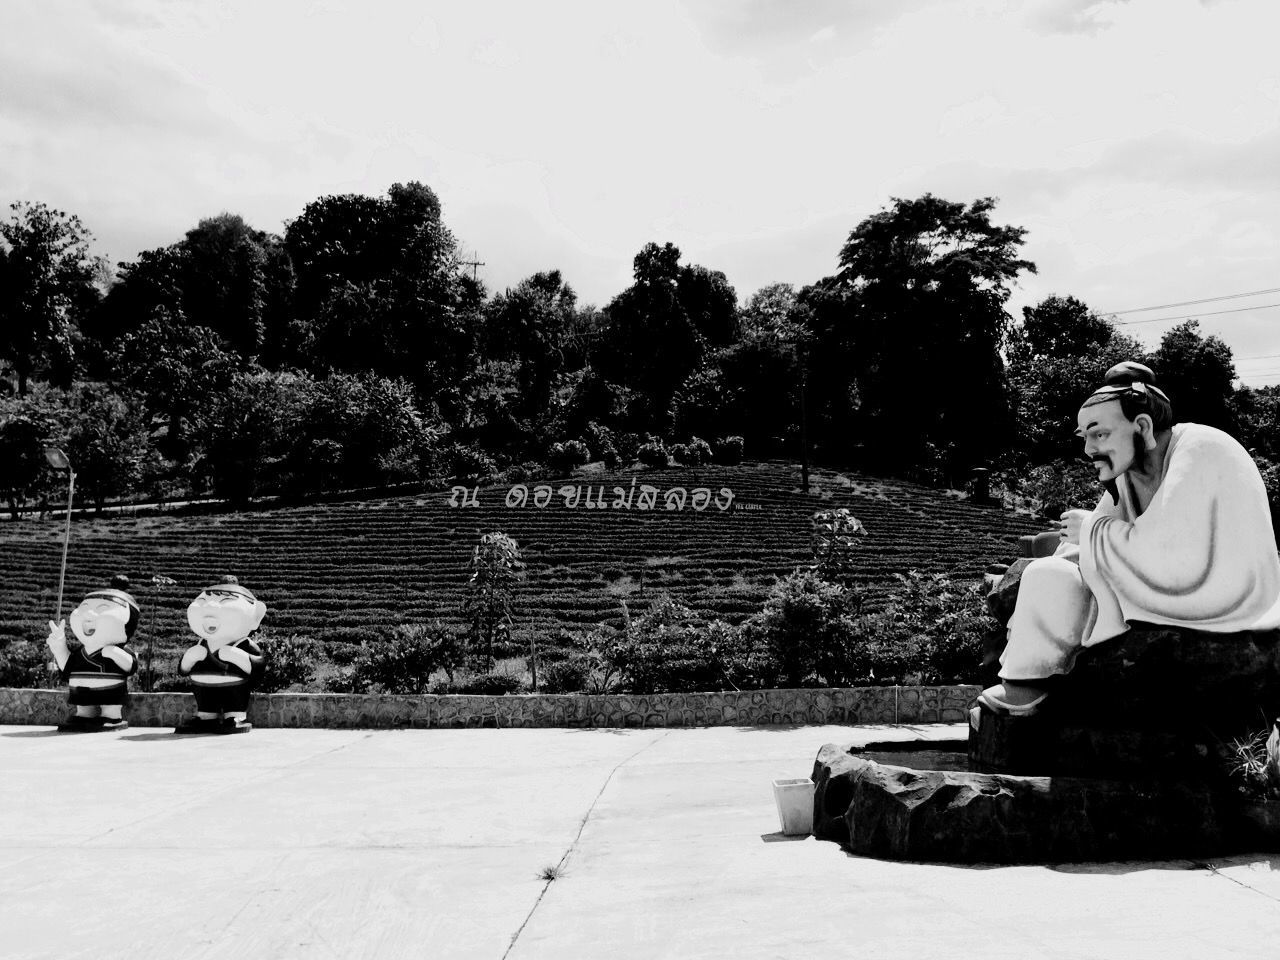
(432, 843)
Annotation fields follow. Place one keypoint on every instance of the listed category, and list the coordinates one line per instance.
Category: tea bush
(287, 661)
(405, 661)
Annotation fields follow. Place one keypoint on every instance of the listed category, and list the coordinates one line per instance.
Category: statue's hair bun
(1130, 371)
(228, 578)
(120, 582)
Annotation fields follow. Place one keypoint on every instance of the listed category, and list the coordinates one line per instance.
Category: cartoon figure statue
(226, 664)
(97, 671)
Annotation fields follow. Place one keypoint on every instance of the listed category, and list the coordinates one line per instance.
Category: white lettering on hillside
(595, 498)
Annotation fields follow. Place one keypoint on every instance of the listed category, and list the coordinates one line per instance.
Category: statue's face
(221, 617)
(99, 621)
(1112, 441)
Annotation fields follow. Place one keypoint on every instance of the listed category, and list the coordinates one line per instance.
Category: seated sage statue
(1182, 537)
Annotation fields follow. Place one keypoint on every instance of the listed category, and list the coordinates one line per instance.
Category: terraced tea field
(350, 570)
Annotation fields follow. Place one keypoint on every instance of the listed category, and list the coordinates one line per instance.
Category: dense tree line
(355, 350)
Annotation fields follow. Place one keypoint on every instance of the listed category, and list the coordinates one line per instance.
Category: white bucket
(795, 806)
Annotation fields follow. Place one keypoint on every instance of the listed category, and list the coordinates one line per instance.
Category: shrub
(834, 540)
(23, 663)
(698, 452)
(628, 446)
(569, 675)
(728, 450)
(523, 472)
(601, 439)
(805, 631)
(679, 452)
(563, 457)
(653, 453)
(668, 650)
(469, 465)
(287, 661)
(405, 661)
(485, 684)
(930, 630)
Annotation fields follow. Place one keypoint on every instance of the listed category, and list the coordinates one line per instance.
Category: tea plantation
(348, 571)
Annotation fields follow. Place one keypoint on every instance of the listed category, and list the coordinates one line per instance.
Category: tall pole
(66, 540)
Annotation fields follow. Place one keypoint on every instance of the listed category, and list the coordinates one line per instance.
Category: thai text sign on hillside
(675, 498)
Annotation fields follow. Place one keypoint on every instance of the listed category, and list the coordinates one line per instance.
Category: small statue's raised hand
(57, 638)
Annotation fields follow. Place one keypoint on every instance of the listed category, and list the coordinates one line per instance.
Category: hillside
(342, 571)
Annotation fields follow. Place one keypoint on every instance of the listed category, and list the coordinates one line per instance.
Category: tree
(27, 424)
(237, 281)
(495, 569)
(1257, 414)
(176, 368)
(224, 276)
(379, 288)
(528, 327)
(650, 342)
(358, 430)
(1058, 355)
(1198, 373)
(48, 281)
(108, 442)
(914, 320)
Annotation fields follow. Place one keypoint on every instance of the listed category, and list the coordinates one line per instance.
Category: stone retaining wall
(851, 705)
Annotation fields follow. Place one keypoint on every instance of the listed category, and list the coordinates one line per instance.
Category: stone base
(957, 816)
(1045, 745)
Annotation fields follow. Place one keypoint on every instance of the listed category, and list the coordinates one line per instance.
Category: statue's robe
(1202, 555)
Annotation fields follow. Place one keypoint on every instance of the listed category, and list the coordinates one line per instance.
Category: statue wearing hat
(225, 665)
(97, 670)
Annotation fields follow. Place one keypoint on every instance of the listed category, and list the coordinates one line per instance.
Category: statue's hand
(191, 657)
(123, 658)
(57, 635)
(1069, 526)
(57, 642)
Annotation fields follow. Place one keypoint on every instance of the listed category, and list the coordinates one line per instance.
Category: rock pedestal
(1127, 759)
(899, 813)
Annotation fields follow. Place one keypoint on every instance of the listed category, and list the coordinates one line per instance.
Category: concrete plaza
(438, 843)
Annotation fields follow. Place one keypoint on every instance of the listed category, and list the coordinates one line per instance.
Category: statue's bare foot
(1015, 699)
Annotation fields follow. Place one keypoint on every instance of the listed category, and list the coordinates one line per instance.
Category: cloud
(757, 27)
(1086, 17)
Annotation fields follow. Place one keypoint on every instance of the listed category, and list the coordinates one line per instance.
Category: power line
(1191, 303)
(1196, 316)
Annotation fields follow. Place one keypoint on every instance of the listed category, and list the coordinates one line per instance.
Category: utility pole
(473, 264)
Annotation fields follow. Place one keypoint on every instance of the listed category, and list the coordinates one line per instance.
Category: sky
(1137, 141)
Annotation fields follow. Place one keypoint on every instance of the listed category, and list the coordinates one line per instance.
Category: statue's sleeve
(1201, 555)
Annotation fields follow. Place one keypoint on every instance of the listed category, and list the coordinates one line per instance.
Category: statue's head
(1122, 421)
(225, 613)
(105, 616)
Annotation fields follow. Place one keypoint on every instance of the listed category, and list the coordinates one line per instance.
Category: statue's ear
(259, 611)
(1147, 428)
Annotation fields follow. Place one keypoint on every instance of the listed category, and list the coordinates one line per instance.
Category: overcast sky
(1138, 141)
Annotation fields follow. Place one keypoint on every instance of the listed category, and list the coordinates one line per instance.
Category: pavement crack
(1218, 873)
(573, 845)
